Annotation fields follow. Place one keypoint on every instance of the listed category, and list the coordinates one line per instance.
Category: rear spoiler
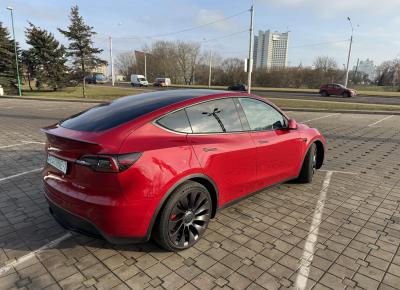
(46, 130)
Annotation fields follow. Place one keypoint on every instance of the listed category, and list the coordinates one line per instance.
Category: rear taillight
(109, 163)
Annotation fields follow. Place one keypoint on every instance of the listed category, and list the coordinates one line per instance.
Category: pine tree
(7, 61)
(47, 58)
(81, 46)
(29, 65)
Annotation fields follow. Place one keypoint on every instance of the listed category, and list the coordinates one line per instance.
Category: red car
(336, 89)
(163, 163)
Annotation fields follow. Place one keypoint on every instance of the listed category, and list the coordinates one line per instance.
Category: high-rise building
(270, 49)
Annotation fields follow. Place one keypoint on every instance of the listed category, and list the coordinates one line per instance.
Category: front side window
(217, 116)
(261, 116)
(176, 121)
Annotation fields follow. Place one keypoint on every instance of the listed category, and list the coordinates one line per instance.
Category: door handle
(208, 149)
(263, 141)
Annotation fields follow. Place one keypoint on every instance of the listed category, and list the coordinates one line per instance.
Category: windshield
(142, 79)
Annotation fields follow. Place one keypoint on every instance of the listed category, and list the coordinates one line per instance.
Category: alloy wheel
(189, 219)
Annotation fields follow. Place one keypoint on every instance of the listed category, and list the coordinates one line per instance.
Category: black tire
(324, 94)
(309, 165)
(346, 95)
(184, 217)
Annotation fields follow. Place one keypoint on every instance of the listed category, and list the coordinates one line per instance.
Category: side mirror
(292, 124)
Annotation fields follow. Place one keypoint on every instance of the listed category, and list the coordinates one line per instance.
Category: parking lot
(340, 232)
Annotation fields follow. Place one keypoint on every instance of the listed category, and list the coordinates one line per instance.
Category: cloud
(327, 8)
(205, 16)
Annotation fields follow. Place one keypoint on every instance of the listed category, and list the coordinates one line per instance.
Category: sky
(317, 27)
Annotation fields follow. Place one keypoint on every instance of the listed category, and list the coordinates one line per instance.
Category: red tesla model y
(162, 164)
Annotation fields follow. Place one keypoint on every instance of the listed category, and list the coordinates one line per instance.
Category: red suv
(163, 163)
(336, 89)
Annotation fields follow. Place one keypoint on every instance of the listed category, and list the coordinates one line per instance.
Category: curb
(368, 112)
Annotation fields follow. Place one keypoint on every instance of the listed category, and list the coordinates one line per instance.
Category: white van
(139, 81)
(162, 82)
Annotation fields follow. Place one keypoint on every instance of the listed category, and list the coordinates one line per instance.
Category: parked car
(162, 163)
(139, 81)
(336, 89)
(162, 82)
(238, 87)
(96, 78)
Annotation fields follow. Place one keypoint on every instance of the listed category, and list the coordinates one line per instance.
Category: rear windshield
(109, 115)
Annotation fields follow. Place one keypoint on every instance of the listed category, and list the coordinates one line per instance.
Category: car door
(331, 89)
(225, 151)
(278, 148)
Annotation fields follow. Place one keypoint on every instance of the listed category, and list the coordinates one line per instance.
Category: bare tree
(325, 63)
(233, 71)
(125, 64)
(187, 54)
(389, 73)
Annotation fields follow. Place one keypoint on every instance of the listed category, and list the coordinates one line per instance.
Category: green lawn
(98, 92)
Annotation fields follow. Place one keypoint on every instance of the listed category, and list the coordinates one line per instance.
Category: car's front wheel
(309, 165)
(184, 218)
(346, 95)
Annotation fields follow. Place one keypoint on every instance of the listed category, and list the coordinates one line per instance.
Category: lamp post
(348, 56)
(251, 44)
(15, 50)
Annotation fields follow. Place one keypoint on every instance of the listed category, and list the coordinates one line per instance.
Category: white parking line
(338, 171)
(33, 142)
(308, 252)
(323, 117)
(19, 144)
(19, 174)
(377, 122)
(8, 266)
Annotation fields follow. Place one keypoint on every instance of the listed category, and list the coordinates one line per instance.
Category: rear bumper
(114, 219)
(78, 224)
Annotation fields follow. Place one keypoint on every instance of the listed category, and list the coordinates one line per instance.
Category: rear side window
(261, 116)
(176, 121)
(217, 116)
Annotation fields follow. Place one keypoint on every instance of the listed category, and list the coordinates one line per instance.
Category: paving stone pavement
(256, 244)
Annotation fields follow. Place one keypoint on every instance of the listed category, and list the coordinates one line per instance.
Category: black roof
(124, 109)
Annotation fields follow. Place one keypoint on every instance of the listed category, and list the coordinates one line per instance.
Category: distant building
(270, 49)
(368, 67)
(100, 69)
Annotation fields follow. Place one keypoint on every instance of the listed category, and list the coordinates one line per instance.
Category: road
(340, 232)
(311, 96)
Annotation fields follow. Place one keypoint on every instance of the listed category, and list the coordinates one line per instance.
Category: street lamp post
(348, 56)
(15, 51)
(250, 60)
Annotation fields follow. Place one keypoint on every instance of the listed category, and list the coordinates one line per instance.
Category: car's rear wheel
(309, 165)
(184, 218)
(324, 94)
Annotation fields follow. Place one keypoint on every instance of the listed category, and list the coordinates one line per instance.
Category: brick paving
(255, 244)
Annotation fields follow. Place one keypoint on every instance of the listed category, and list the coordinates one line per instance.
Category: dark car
(238, 87)
(336, 89)
(161, 164)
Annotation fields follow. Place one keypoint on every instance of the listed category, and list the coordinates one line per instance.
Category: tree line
(51, 64)
(185, 63)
